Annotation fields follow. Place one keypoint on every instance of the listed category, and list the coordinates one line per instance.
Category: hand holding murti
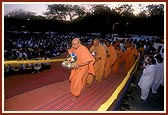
(76, 66)
(68, 65)
(70, 61)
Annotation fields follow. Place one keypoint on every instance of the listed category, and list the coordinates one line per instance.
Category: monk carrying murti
(84, 66)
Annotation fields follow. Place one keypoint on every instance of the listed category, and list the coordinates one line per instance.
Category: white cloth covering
(146, 80)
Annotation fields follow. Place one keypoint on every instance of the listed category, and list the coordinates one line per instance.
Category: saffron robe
(129, 57)
(110, 59)
(78, 76)
(118, 60)
(99, 64)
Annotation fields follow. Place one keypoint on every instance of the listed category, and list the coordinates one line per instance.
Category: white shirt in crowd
(159, 77)
(146, 80)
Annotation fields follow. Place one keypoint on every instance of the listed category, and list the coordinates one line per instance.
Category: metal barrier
(31, 61)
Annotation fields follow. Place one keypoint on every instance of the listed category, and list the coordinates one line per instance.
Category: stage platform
(56, 97)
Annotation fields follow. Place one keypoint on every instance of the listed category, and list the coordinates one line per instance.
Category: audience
(21, 45)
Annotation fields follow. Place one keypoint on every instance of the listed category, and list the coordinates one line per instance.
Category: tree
(125, 10)
(100, 8)
(65, 12)
(21, 14)
(80, 10)
(155, 10)
(142, 14)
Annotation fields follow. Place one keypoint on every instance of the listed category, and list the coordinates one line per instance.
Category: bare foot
(74, 98)
(99, 84)
(82, 90)
(89, 85)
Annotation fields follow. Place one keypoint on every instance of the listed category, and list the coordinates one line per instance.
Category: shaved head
(76, 43)
(76, 40)
(96, 42)
(96, 39)
(133, 45)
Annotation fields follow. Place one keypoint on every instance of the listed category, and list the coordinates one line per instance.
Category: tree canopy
(92, 18)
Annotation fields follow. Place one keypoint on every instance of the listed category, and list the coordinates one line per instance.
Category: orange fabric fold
(78, 76)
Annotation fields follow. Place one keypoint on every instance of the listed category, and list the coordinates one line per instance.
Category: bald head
(107, 43)
(132, 45)
(96, 42)
(76, 40)
(76, 43)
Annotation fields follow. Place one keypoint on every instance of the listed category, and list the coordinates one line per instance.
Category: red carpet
(88, 101)
(57, 96)
(17, 84)
(44, 92)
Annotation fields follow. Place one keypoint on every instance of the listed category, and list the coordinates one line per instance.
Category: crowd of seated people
(11, 69)
(44, 45)
(36, 45)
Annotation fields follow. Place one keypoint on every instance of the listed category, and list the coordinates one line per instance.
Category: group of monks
(98, 62)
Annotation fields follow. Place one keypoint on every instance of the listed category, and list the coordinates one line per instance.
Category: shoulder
(101, 46)
(70, 50)
(83, 48)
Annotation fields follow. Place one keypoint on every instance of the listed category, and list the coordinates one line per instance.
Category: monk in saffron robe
(99, 53)
(110, 59)
(130, 56)
(84, 66)
(128, 44)
(119, 59)
(141, 49)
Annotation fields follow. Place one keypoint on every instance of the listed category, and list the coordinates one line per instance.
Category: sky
(37, 8)
(41, 7)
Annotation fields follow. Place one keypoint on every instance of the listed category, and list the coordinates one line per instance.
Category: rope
(31, 61)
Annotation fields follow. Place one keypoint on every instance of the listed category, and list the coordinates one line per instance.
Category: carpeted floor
(57, 96)
(21, 83)
(88, 101)
(17, 84)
